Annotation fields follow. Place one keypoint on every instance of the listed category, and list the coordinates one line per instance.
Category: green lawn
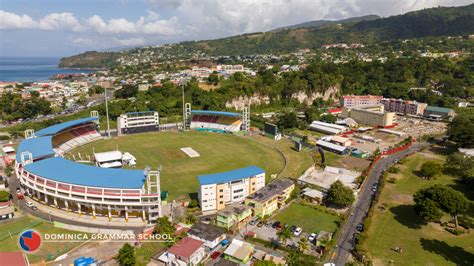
(397, 225)
(309, 219)
(218, 153)
(9, 238)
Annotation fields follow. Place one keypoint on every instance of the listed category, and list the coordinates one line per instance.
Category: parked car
(312, 237)
(215, 255)
(254, 221)
(375, 186)
(268, 224)
(360, 227)
(276, 224)
(293, 228)
(34, 208)
(260, 224)
(29, 204)
(292, 246)
(18, 190)
(298, 231)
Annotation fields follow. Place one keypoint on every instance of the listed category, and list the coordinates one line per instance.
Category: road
(345, 243)
(21, 204)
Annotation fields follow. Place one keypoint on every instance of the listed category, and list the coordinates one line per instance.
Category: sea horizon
(32, 69)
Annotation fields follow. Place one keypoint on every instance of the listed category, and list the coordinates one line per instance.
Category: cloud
(53, 21)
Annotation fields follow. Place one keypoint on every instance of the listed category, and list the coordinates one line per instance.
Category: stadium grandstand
(83, 189)
(215, 121)
(138, 122)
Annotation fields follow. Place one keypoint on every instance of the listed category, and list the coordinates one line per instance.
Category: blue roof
(209, 112)
(52, 130)
(39, 147)
(62, 170)
(230, 175)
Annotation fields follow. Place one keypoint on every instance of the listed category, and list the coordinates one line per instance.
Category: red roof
(335, 110)
(13, 258)
(186, 247)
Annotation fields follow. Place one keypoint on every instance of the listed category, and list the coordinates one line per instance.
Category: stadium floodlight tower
(153, 192)
(29, 133)
(187, 116)
(246, 119)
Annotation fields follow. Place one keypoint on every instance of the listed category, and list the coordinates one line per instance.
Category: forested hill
(319, 23)
(440, 21)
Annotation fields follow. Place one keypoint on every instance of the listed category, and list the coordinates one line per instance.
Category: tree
(292, 258)
(430, 169)
(303, 245)
(190, 219)
(328, 118)
(432, 201)
(264, 263)
(213, 78)
(126, 255)
(4, 196)
(284, 234)
(461, 166)
(288, 121)
(461, 130)
(340, 195)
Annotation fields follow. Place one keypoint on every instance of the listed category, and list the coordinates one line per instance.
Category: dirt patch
(350, 162)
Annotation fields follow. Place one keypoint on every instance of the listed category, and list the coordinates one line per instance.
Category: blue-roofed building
(84, 189)
(219, 189)
(39, 147)
(55, 129)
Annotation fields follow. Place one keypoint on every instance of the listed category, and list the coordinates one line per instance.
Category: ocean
(32, 68)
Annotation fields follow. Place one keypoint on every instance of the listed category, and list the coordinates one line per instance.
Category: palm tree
(303, 245)
(190, 219)
(284, 234)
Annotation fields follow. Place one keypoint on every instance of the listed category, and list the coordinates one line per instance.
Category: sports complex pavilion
(81, 188)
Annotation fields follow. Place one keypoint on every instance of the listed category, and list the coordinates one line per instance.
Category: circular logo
(29, 240)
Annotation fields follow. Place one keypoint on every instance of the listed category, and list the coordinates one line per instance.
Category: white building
(218, 190)
(137, 122)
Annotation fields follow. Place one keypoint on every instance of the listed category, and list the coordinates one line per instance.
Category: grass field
(309, 219)
(218, 153)
(398, 225)
(9, 238)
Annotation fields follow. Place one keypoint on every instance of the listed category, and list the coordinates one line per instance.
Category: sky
(55, 28)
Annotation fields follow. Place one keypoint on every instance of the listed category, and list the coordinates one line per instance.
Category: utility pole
(107, 113)
(184, 110)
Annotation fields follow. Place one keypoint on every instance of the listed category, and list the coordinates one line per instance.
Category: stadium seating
(68, 140)
(225, 123)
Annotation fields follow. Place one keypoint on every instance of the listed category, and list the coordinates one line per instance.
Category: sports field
(218, 153)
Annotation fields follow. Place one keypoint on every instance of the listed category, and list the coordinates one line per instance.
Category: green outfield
(218, 153)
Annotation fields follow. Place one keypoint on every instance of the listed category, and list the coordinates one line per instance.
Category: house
(14, 258)
(312, 195)
(211, 235)
(7, 211)
(266, 200)
(188, 251)
(239, 251)
(234, 216)
(341, 141)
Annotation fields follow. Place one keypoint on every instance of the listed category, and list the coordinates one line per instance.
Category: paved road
(345, 243)
(14, 183)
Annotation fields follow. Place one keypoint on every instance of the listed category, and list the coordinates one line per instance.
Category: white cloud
(13, 21)
(53, 21)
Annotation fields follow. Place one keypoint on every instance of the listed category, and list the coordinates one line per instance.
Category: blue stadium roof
(39, 147)
(52, 130)
(230, 175)
(209, 112)
(62, 170)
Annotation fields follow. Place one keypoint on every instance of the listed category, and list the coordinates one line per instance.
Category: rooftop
(185, 247)
(52, 130)
(14, 258)
(39, 147)
(438, 109)
(271, 190)
(234, 208)
(229, 176)
(66, 171)
(209, 112)
(206, 231)
(239, 249)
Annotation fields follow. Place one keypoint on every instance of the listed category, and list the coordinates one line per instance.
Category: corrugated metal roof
(52, 130)
(39, 147)
(209, 112)
(228, 176)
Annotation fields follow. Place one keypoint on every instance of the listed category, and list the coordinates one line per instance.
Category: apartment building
(405, 107)
(220, 189)
(370, 115)
(354, 100)
(268, 199)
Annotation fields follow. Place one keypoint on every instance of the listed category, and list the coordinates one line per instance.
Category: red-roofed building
(14, 258)
(188, 251)
(354, 100)
(335, 111)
